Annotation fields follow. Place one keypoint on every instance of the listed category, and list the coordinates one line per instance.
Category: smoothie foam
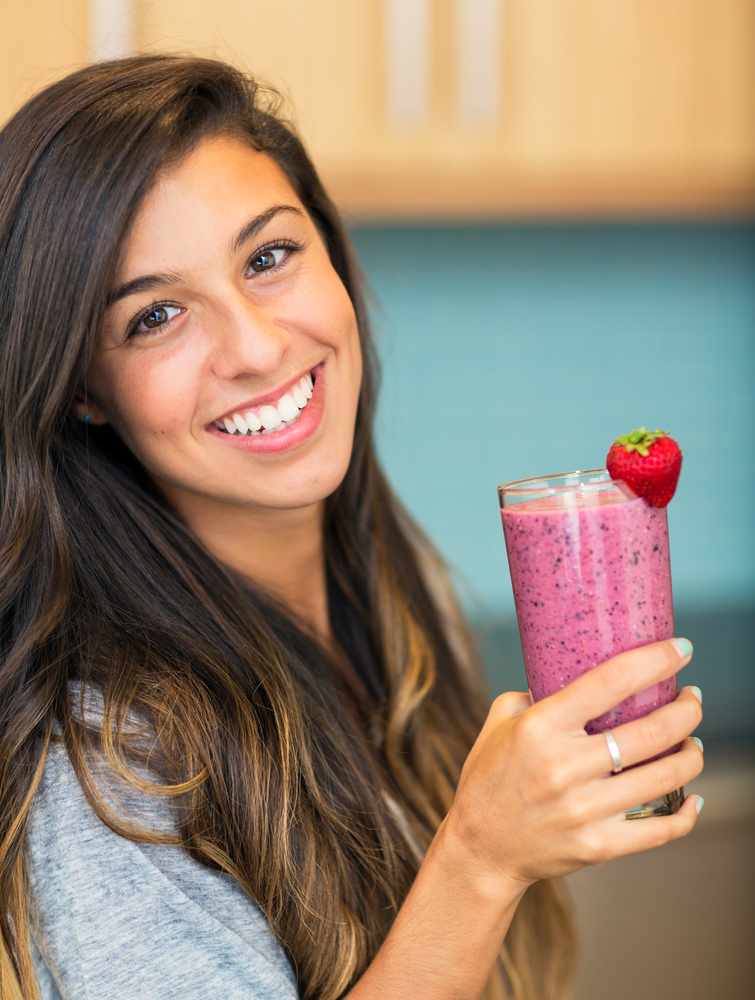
(591, 579)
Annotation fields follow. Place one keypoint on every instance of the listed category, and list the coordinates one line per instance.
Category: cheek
(340, 331)
(323, 308)
(146, 396)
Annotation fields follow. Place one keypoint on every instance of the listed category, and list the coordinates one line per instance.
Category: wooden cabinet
(40, 40)
(506, 108)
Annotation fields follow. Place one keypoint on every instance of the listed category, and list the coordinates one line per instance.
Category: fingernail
(696, 692)
(696, 739)
(683, 647)
(699, 804)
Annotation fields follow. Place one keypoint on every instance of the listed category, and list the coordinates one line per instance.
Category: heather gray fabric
(124, 921)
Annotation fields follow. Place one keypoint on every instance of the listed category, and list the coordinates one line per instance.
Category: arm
(536, 800)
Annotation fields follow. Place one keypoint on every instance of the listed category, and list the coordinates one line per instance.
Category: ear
(87, 411)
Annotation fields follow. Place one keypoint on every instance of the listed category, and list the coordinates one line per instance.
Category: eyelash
(292, 246)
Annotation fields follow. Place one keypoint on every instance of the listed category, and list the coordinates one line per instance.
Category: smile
(269, 419)
(275, 425)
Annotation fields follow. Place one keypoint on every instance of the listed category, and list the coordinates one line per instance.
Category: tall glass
(590, 570)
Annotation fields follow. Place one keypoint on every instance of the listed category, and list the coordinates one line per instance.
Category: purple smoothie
(591, 579)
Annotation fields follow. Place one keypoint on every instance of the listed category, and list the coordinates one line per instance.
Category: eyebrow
(146, 283)
(149, 282)
(259, 222)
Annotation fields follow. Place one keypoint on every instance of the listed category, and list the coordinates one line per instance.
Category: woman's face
(227, 315)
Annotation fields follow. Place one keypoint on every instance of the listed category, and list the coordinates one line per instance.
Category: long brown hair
(102, 584)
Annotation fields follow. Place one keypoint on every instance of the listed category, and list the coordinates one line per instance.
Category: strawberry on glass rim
(649, 462)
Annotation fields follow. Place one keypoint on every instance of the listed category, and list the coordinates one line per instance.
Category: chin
(291, 492)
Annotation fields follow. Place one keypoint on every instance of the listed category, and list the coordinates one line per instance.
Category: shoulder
(116, 919)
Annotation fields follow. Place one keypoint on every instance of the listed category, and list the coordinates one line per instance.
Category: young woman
(243, 746)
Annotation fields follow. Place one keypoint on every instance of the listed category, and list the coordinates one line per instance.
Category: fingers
(644, 738)
(608, 684)
(539, 797)
(643, 784)
(644, 834)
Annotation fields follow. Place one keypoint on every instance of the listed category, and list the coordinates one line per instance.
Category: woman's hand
(537, 798)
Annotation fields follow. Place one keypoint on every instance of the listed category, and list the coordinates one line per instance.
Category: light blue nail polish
(699, 804)
(696, 739)
(684, 646)
(696, 692)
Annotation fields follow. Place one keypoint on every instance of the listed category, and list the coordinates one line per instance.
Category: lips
(275, 424)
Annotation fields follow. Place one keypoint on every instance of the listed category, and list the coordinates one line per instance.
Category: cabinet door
(469, 108)
(613, 107)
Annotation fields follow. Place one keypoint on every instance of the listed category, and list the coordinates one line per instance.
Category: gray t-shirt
(119, 920)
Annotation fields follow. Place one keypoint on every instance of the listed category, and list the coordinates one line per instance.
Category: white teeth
(253, 421)
(287, 407)
(272, 430)
(269, 417)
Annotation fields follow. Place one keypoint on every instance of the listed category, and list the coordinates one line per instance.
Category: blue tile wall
(514, 351)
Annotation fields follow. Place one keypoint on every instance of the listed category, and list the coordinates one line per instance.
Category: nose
(248, 339)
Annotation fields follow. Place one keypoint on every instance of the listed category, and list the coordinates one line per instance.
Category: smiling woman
(246, 306)
(243, 747)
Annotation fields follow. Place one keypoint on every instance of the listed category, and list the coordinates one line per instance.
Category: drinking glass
(590, 570)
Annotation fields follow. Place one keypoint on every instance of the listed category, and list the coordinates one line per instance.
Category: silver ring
(613, 749)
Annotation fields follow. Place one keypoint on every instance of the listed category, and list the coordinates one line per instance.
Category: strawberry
(649, 462)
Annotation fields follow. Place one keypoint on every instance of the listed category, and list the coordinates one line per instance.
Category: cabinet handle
(110, 29)
(407, 59)
(478, 55)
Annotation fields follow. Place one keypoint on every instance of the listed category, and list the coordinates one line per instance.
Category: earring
(87, 418)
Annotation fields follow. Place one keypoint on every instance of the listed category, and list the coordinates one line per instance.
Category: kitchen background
(554, 202)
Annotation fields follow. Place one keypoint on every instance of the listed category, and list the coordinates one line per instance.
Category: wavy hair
(254, 734)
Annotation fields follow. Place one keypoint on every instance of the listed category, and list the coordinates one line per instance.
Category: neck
(282, 551)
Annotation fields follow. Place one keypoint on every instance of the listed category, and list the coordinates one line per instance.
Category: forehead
(204, 199)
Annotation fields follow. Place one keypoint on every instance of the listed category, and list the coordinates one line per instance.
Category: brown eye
(156, 317)
(266, 260)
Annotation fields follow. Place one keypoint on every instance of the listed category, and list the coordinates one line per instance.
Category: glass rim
(531, 482)
(587, 482)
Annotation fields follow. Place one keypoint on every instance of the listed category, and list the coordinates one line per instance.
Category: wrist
(487, 882)
(449, 932)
